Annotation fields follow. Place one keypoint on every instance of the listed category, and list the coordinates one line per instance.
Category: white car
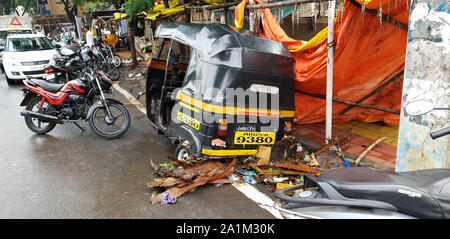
(26, 55)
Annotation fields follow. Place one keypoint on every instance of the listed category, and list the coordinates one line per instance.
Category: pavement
(73, 174)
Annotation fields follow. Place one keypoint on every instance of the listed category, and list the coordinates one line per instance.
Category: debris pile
(179, 177)
(280, 166)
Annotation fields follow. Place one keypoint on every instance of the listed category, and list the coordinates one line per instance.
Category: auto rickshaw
(216, 92)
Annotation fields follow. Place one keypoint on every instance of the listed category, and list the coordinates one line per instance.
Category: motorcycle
(47, 104)
(106, 65)
(68, 65)
(111, 57)
(63, 70)
(65, 65)
(364, 193)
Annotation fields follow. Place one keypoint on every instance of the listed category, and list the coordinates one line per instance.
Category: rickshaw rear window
(162, 50)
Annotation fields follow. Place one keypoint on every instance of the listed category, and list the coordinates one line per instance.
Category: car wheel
(9, 81)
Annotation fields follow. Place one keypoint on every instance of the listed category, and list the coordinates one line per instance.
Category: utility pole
(330, 55)
(166, 4)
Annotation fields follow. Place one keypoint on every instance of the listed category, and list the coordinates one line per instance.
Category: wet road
(69, 174)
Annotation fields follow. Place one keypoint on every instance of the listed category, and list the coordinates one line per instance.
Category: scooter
(364, 193)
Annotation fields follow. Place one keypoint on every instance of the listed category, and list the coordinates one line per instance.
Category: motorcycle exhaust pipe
(32, 114)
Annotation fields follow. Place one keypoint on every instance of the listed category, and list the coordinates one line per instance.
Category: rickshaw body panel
(228, 76)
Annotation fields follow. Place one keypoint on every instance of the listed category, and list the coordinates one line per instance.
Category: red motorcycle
(48, 104)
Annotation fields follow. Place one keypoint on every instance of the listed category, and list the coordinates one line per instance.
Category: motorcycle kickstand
(82, 129)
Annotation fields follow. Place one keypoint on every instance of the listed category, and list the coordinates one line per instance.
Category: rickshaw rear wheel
(181, 152)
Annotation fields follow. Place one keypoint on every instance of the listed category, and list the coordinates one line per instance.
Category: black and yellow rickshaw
(216, 92)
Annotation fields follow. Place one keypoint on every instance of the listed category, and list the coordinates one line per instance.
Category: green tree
(132, 8)
(8, 6)
(71, 8)
(116, 3)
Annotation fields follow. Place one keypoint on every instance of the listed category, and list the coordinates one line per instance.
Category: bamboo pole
(361, 156)
(350, 103)
(231, 6)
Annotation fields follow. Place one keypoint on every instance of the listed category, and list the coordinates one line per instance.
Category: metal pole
(329, 96)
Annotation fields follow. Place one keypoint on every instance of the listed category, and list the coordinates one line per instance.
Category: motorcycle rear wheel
(37, 125)
(98, 121)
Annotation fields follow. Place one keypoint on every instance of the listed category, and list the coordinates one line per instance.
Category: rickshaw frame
(208, 124)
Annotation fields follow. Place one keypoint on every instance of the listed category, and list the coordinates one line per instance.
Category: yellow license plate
(247, 137)
(188, 120)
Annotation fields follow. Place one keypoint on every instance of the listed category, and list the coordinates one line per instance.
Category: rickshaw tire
(178, 150)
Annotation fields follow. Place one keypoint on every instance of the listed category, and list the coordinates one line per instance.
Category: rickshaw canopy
(220, 44)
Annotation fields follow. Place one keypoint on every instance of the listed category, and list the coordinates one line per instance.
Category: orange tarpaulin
(367, 54)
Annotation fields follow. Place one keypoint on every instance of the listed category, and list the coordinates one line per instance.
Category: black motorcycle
(363, 193)
(103, 61)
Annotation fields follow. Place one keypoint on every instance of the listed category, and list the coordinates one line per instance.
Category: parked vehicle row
(69, 63)
(36, 56)
(65, 84)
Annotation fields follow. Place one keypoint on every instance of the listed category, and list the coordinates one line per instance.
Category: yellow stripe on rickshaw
(231, 152)
(189, 107)
(231, 110)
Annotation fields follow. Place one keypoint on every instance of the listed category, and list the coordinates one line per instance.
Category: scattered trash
(167, 165)
(233, 177)
(246, 172)
(280, 179)
(281, 186)
(280, 166)
(263, 154)
(190, 176)
(249, 179)
(127, 61)
(166, 199)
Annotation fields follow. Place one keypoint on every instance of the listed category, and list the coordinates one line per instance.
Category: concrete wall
(55, 7)
(427, 76)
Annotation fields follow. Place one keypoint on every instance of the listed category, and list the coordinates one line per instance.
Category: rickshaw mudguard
(186, 133)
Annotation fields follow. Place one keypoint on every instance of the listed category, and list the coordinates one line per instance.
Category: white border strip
(260, 198)
(130, 98)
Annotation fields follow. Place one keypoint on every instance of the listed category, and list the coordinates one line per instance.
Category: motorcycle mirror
(419, 107)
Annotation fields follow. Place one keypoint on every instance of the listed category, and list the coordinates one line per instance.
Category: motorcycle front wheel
(115, 60)
(110, 127)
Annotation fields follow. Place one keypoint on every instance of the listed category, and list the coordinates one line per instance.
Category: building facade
(52, 7)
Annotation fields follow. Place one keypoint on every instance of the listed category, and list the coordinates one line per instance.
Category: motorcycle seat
(52, 87)
(423, 193)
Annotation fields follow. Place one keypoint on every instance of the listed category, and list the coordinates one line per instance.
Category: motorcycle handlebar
(440, 133)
